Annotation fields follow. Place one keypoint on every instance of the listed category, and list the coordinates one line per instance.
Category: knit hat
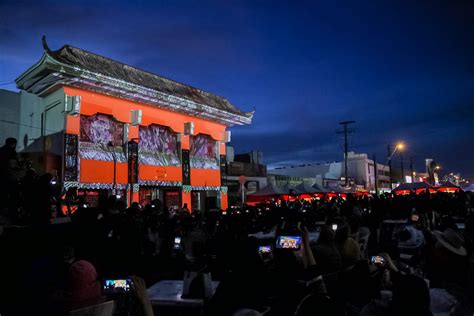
(410, 237)
(84, 289)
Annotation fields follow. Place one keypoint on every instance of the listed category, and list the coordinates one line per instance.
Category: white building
(41, 116)
(10, 119)
(361, 171)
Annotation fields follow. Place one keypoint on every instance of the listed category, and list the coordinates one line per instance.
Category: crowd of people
(370, 255)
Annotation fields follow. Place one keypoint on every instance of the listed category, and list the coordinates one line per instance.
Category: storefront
(171, 196)
(132, 133)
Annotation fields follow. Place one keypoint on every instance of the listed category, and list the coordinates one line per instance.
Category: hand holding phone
(267, 249)
(288, 242)
(377, 260)
(177, 243)
(114, 286)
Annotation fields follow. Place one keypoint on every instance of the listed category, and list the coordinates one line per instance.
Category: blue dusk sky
(403, 70)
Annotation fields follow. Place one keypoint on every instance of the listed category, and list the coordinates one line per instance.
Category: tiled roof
(105, 66)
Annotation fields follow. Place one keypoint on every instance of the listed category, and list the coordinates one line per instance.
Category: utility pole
(411, 170)
(345, 132)
(375, 176)
(401, 166)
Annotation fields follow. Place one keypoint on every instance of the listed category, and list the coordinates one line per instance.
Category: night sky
(402, 71)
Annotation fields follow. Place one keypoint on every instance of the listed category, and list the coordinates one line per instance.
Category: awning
(414, 186)
(448, 186)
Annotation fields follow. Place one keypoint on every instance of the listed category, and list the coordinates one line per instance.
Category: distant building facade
(10, 105)
(362, 173)
(251, 166)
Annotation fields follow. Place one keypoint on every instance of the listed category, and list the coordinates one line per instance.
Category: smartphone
(267, 249)
(334, 227)
(177, 242)
(377, 260)
(112, 286)
(288, 242)
(414, 218)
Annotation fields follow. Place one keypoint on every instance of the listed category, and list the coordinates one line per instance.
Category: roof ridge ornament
(45, 44)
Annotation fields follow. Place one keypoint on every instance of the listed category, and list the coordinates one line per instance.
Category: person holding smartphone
(326, 253)
(318, 300)
(348, 247)
(407, 294)
(140, 291)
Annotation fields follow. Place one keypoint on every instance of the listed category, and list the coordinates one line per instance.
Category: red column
(186, 198)
(224, 201)
(135, 196)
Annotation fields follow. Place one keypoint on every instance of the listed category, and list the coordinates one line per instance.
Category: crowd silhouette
(368, 255)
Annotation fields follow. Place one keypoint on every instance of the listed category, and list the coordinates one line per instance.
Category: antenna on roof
(45, 45)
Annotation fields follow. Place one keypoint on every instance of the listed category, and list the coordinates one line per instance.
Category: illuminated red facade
(163, 139)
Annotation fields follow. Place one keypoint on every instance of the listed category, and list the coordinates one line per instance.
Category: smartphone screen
(177, 242)
(265, 249)
(378, 260)
(334, 227)
(117, 286)
(288, 242)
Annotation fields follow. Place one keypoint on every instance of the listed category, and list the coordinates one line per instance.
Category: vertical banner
(71, 158)
(223, 167)
(132, 162)
(186, 167)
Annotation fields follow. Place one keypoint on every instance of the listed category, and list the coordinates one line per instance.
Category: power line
(4, 84)
(25, 125)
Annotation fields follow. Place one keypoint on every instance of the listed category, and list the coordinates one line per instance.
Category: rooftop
(96, 72)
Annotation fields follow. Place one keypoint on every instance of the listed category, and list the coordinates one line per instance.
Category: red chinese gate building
(129, 132)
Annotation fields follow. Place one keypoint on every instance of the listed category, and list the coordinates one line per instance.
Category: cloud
(401, 73)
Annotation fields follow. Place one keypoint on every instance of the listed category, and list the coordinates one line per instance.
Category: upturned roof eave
(35, 68)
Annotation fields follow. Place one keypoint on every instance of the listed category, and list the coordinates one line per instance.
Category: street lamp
(400, 146)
